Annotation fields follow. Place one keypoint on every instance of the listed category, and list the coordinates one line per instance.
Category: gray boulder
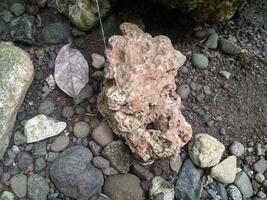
(16, 75)
(74, 175)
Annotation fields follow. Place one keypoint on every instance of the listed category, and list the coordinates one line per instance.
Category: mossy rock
(83, 13)
(205, 11)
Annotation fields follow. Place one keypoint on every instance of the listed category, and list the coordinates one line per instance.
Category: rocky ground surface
(223, 90)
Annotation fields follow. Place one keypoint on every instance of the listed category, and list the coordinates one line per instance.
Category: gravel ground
(228, 108)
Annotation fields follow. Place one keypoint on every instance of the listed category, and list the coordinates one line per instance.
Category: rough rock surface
(16, 75)
(209, 11)
(83, 13)
(74, 175)
(205, 150)
(160, 186)
(138, 98)
(42, 127)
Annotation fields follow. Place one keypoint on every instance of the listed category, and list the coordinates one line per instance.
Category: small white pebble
(225, 74)
(98, 61)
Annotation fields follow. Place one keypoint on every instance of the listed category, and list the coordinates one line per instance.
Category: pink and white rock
(138, 97)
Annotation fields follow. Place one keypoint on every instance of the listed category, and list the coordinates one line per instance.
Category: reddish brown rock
(138, 98)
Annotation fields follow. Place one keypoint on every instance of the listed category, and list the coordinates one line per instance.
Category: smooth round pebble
(212, 41)
(183, 91)
(98, 61)
(228, 47)
(81, 129)
(67, 111)
(237, 149)
(47, 107)
(103, 135)
(259, 177)
(200, 61)
(60, 143)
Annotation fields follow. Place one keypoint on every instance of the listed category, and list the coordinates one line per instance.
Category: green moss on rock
(83, 13)
(205, 11)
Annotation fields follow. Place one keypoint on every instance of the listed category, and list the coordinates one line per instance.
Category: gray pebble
(60, 143)
(67, 111)
(47, 107)
(81, 129)
(100, 162)
(19, 138)
(5, 177)
(237, 149)
(200, 61)
(141, 172)
(260, 166)
(52, 156)
(37, 187)
(243, 184)
(212, 41)
(79, 110)
(229, 47)
(39, 165)
(183, 91)
(24, 160)
(222, 131)
(18, 184)
(39, 148)
(204, 33)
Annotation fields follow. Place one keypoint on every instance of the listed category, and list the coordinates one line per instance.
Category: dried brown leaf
(71, 71)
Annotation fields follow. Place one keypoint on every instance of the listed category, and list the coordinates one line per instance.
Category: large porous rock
(138, 97)
(83, 13)
(74, 175)
(16, 75)
(208, 11)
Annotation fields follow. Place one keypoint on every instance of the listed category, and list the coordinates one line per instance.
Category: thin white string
(101, 24)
